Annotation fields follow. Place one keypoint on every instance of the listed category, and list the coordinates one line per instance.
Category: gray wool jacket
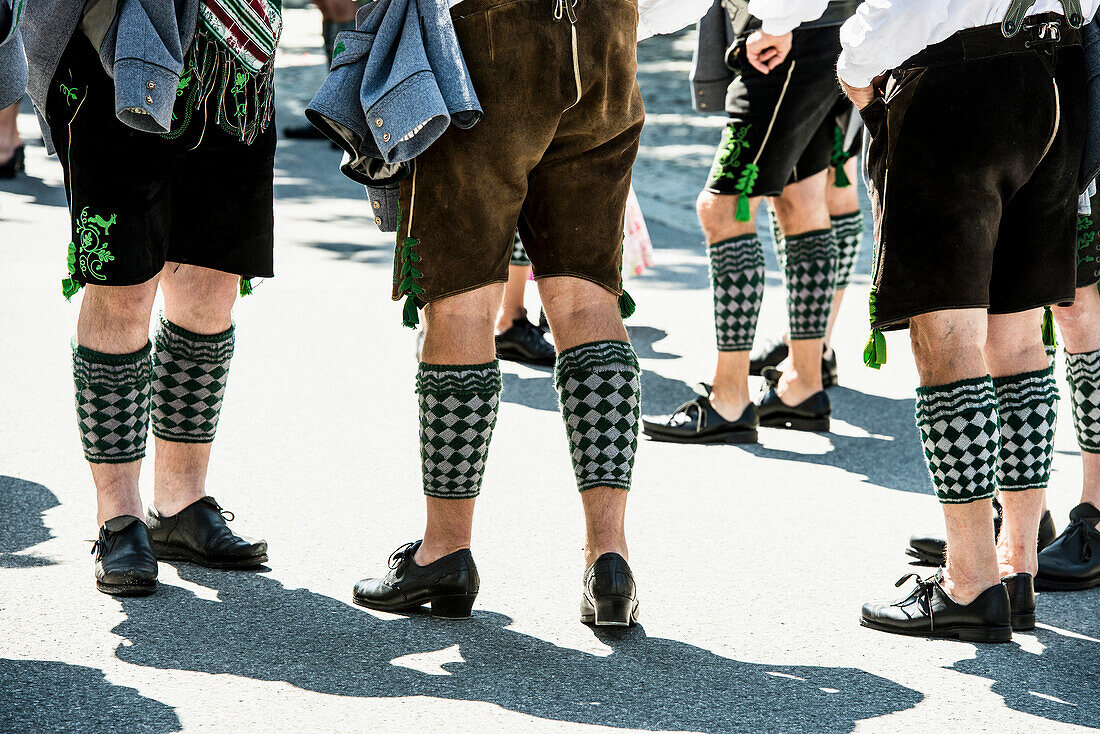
(142, 50)
(1090, 168)
(13, 64)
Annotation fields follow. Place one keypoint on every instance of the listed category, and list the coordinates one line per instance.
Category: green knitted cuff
(848, 235)
(112, 403)
(960, 433)
(189, 376)
(1083, 372)
(1028, 408)
(737, 278)
(810, 283)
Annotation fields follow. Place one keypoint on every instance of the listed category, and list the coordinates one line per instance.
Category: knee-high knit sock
(112, 403)
(519, 255)
(810, 278)
(458, 410)
(737, 276)
(778, 239)
(599, 385)
(847, 234)
(1028, 408)
(189, 375)
(1083, 371)
(959, 431)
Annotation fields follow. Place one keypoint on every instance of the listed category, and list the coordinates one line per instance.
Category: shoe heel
(986, 634)
(816, 425)
(1023, 621)
(455, 606)
(614, 611)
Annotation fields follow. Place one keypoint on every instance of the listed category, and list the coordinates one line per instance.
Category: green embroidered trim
(93, 253)
(874, 352)
(745, 185)
(69, 286)
(407, 284)
(839, 158)
(69, 94)
(338, 49)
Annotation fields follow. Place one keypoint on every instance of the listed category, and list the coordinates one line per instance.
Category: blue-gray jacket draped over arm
(13, 63)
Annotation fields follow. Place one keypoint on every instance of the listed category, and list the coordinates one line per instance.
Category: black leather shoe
(199, 534)
(812, 414)
(770, 354)
(1021, 599)
(1072, 561)
(929, 550)
(696, 421)
(929, 612)
(829, 376)
(449, 584)
(610, 597)
(523, 342)
(124, 561)
(15, 164)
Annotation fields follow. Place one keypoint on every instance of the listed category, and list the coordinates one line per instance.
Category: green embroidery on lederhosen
(92, 254)
(733, 144)
(68, 94)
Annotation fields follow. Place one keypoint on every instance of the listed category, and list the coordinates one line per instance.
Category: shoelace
(686, 409)
(400, 555)
(925, 587)
(1087, 530)
(227, 515)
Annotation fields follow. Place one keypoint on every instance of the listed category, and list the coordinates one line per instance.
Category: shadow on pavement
(23, 527)
(260, 630)
(47, 696)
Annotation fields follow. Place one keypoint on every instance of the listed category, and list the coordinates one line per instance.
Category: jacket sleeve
(884, 33)
(783, 16)
(656, 17)
(147, 65)
(13, 61)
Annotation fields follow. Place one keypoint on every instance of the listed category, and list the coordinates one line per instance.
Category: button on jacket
(13, 64)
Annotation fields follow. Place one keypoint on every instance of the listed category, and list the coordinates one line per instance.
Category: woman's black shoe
(1072, 561)
(770, 354)
(929, 550)
(198, 533)
(449, 584)
(812, 414)
(696, 421)
(16, 164)
(928, 611)
(610, 597)
(124, 561)
(1021, 599)
(523, 342)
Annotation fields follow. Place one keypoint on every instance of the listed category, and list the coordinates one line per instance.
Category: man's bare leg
(1079, 326)
(842, 203)
(9, 132)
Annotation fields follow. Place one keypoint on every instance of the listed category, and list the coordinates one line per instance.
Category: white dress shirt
(656, 17)
(884, 33)
(783, 16)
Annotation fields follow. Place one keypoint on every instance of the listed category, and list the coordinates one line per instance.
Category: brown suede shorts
(552, 154)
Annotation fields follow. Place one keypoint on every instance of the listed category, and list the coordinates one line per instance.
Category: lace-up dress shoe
(1072, 561)
(927, 611)
(829, 377)
(199, 534)
(449, 584)
(696, 421)
(812, 414)
(124, 561)
(610, 596)
(769, 354)
(525, 343)
(930, 550)
(1021, 599)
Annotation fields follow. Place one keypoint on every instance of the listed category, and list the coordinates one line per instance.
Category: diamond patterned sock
(1028, 408)
(458, 410)
(778, 239)
(599, 386)
(519, 255)
(112, 403)
(958, 426)
(1083, 371)
(809, 269)
(737, 276)
(189, 375)
(847, 234)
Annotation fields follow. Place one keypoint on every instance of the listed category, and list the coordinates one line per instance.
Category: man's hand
(766, 52)
(860, 96)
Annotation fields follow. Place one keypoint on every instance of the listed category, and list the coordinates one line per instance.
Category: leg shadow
(23, 527)
(258, 629)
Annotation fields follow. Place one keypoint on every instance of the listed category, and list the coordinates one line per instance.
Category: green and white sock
(1028, 408)
(458, 411)
(112, 403)
(599, 387)
(189, 375)
(847, 234)
(960, 433)
(737, 276)
(779, 240)
(519, 255)
(810, 262)
(1083, 371)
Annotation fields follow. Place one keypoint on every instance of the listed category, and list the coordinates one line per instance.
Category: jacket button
(378, 221)
(385, 137)
(378, 122)
(377, 205)
(148, 99)
(151, 85)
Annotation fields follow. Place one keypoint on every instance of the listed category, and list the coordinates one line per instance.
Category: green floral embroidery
(240, 79)
(69, 94)
(733, 144)
(339, 49)
(92, 233)
(185, 82)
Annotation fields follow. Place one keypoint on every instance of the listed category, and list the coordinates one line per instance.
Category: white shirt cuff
(854, 76)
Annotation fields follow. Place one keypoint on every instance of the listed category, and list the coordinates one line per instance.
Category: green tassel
(69, 288)
(1048, 328)
(842, 181)
(742, 214)
(410, 315)
(627, 306)
(874, 353)
(246, 287)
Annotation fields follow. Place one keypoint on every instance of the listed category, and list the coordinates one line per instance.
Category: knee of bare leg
(714, 210)
(935, 340)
